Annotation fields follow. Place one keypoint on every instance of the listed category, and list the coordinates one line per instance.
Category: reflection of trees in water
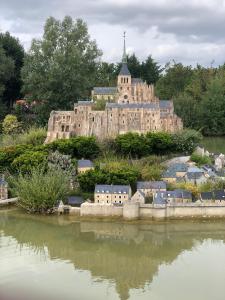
(130, 255)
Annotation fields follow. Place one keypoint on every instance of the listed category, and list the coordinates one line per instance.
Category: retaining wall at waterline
(134, 211)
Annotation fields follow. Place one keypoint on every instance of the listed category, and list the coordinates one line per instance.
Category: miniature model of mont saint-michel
(131, 106)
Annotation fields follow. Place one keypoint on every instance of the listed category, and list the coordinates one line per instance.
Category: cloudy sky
(190, 31)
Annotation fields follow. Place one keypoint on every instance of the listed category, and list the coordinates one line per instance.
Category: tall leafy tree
(6, 72)
(14, 51)
(60, 68)
(150, 70)
(212, 108)
(174, 81)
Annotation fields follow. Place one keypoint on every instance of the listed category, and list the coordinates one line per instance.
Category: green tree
(7, 67)
(150, 70)
(131, 144)
(29, 160)
(40, 190)
(11, 125)
(14, 51)
(212, 108)
(106, 74)
(60, 68)
(174, 81)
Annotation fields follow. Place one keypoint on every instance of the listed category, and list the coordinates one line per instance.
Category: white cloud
(187, 31)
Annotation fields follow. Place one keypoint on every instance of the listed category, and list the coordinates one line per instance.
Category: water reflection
(127, 255)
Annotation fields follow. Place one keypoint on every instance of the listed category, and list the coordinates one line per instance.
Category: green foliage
(186, 141)
(24, 163)
(160, 142)
(6, 70)
(131, 144)
(61, 161)
(11, 125)
(60, 68)
(33, 136)
(99, 104)
(89, 179)
(15, 53)
(200, 160)
(150, 70)
(78, 147)
(40, 190)
(174, 81)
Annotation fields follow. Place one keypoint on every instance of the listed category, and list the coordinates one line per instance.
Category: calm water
(51, 258)
(214, 144)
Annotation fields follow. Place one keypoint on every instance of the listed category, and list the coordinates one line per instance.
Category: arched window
(67, 128)
(63, 127)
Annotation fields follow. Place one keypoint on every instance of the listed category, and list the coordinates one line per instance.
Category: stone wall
(134, 211)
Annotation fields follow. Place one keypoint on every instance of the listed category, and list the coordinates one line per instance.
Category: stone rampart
(134, 211)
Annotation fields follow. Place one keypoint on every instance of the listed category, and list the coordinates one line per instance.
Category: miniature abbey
(131, 107)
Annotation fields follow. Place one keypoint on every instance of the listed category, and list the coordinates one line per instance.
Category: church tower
(124, 78)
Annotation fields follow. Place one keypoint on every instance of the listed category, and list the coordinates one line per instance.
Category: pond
(214, 144)
(56, 258)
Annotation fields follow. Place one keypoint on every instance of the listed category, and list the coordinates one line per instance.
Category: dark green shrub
(159, 142)
(89, 179)
(24, 163)
(78, 147)
(132, 144)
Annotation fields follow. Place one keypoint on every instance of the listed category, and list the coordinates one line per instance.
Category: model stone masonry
(130, 107)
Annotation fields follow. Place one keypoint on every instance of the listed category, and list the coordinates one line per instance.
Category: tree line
(65, 64)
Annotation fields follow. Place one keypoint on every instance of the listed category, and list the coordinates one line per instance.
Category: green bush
(33, 136)
(78, 147)
(132, 144)
(89, 179)
(40, 191)
(11, 125)
(24, 163)
(186, 141)
(200, 160)
(159, 143)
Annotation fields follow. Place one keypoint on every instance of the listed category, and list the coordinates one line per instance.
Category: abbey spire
(124, 69)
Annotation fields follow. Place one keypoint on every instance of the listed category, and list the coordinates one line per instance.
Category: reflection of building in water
(131, 264)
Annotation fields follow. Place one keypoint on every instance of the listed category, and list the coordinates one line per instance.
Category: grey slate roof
(176, 194)
(133, 105)
(219, 195)
(84, 163)
(179, 193)
(194, 175)
(84, 102)
(165, 104)
(151, 185)
(112, 189)
(173, 169)
(124, 70)
(75, 200)
(207, 195)
(159, 199)
(105, 90)
(136, 80)
(214, 195)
